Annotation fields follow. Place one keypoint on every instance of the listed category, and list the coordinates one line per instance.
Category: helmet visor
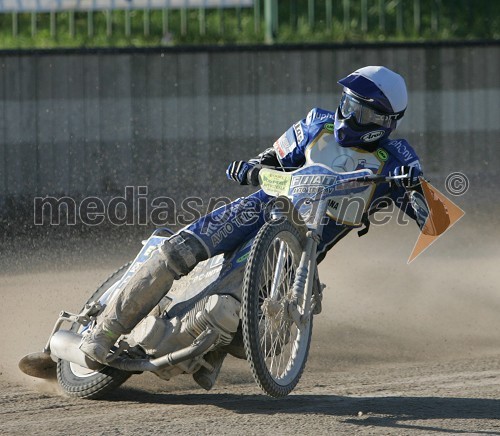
(351, 106)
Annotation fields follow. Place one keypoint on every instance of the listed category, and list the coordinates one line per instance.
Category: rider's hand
(411, 180)
(253, 175)
(238, 170)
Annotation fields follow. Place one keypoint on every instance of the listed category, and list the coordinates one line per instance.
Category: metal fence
(256, 20)
(95, 5)
(69, 9)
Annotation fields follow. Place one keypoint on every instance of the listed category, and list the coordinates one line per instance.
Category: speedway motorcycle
(257, 302)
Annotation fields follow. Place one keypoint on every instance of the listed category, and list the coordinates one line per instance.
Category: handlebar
(253, 177)
(377, 178)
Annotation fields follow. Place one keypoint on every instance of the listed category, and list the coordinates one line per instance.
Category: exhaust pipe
(64, 345)
(199, 346)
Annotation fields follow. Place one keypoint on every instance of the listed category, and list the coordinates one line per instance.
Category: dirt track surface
(452, 397)
(397, 350)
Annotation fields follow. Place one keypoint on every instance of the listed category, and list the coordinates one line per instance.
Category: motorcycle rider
(355, 136)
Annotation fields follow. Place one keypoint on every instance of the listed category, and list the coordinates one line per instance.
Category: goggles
(363, 114)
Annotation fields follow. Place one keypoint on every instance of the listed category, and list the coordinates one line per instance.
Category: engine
(159, 336)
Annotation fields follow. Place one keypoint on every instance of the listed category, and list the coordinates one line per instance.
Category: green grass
(457, 19)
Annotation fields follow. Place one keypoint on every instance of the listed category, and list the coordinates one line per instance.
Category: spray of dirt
(376, 308)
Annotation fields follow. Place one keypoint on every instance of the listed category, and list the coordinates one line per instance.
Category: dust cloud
(376, 308)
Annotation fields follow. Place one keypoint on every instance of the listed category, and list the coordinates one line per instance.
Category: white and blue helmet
(373, 101)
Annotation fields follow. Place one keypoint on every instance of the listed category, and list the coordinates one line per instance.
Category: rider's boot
(205, 377)
(175, 258)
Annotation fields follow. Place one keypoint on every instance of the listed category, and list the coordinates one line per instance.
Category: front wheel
(77, 381)
(276, 347)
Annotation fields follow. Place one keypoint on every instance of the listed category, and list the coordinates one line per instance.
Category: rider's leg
(223, 231)
(332, 234)
(176, 257)
(220, 231)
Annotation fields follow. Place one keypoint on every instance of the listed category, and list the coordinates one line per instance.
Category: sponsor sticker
(274, 182)
(243, 258)
(382, 154)
(403, 150)
(279, 150)
(283, 146)
(330, 127)
(322, 116)
(299, 133)
(372, 136)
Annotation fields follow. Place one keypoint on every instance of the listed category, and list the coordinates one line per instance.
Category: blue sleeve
(290, 146)
(402, 154)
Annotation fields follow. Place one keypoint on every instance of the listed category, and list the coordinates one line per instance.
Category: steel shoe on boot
(97, 344)
(206, 378)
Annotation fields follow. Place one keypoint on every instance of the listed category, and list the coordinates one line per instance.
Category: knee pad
(182, 252)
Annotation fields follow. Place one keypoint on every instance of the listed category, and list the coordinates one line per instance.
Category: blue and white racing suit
(225, 228)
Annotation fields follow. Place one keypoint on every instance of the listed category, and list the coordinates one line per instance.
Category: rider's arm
(425, 208)
(267, 157)
(241, 171)
(287, 152)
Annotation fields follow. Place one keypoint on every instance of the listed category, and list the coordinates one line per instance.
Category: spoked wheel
(276, 347)
(81, 382)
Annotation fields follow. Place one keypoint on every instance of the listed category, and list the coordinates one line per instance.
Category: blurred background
(99, 95)
(123, 23)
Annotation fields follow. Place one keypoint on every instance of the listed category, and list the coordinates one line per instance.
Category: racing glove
(409, 182)
(238, 171)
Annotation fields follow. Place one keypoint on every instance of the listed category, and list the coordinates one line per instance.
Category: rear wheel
(81, 382)
(276, 347)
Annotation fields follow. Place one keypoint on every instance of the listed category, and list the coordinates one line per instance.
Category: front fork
(301, 306)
